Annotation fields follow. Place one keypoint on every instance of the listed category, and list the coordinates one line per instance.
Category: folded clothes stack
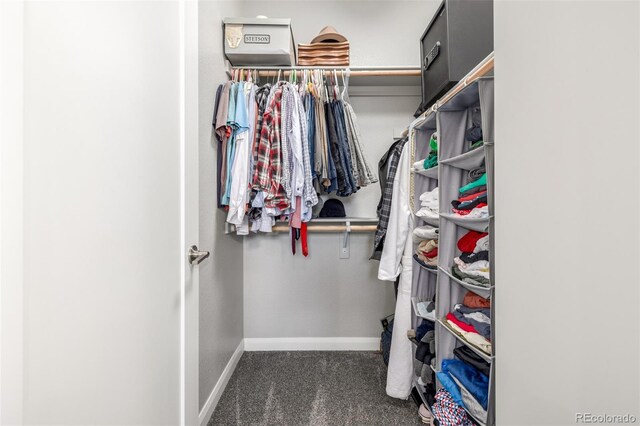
(448, 410)
(336, 54)
(476, 320)
(425, 352)
(327, 48)
(472, 201)
(430, 207)
(472, 266)
(473, 135)
(466, 354)
(432, 158)
(427, 254)
(467, 386)
(472, 324)
(426, 232)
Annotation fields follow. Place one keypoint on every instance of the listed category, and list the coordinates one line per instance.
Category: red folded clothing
(433, 253)
(464, 326)
(472, 196)
(467, 243)
(472, 300)
(466, 212)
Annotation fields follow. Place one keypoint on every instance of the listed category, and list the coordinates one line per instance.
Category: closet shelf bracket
(344, 244)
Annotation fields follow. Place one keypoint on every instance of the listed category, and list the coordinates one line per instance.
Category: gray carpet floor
(311, 388)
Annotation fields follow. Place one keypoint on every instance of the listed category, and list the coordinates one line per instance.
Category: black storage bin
(459, 36)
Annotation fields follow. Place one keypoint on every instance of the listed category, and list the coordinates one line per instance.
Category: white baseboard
(218, 389)
(312, 344)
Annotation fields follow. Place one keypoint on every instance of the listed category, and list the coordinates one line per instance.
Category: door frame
(12, 211)
(189, 214)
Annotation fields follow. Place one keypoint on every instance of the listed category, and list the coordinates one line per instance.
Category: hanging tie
(303, 231)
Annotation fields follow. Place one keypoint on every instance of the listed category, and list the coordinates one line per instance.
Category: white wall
(567, 192)
(221, 303)
(322, 295)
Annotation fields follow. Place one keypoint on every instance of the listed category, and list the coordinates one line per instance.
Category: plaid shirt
(262, 94)
(384, 208)
(310, 196)
(267, 175)
(286, 114)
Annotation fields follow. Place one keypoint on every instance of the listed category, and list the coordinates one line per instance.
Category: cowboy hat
(328, 34)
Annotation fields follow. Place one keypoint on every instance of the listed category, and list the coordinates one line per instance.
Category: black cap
(333, 208)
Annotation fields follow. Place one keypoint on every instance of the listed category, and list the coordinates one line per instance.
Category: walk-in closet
(319, 213)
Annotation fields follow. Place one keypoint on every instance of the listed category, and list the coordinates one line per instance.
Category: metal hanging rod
(353, 71)
(324, 224)
(330, 68)
(330, 228)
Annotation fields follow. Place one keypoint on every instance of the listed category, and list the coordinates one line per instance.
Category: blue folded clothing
(423, 328)
(451, 386)
(474, 381)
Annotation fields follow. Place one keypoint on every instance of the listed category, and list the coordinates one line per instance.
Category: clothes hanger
(327, 84)
(345, 84)
(336, 87)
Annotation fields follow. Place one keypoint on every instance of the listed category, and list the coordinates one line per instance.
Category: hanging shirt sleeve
(399, 221)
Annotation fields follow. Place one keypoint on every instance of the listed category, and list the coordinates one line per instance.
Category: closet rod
(330, 228)
(273, 72)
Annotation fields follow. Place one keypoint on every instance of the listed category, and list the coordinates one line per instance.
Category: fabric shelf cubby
(474, 224)
(467, 161)
(459, 159)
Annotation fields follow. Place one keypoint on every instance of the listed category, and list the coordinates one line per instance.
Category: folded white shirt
(478, 316)
(479, 265)
(430, 195)
(478, 269)
(482, 244)
(425, 233)
(478, 213)
(427, 213)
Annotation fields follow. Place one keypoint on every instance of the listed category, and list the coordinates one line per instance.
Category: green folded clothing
(475, 145)
(481, 181)
(431, 161)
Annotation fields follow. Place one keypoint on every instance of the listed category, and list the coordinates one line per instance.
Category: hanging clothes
(387, 168)
(280, 146)
(396, 260)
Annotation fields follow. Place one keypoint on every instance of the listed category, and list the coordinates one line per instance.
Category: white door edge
(189, 327)
(11, 211)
